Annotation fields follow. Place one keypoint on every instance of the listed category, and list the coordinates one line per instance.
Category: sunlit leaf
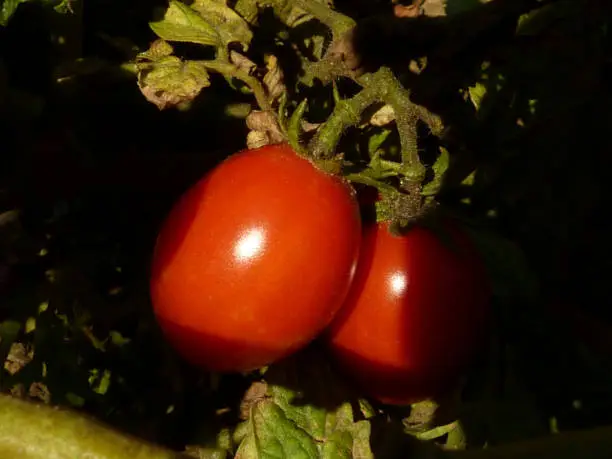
(182, 23)
(439, 169)
(376, 141)
(7, 10)
(477, 93)
(65, 6)
(227, 23)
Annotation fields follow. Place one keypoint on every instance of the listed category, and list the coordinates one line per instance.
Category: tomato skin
(414, 316)
(254, 260)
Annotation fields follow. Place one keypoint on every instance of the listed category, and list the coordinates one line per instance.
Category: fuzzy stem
(338, 23)
(407, 115)
(37, 431)
(228, 69)
(346, 113)
(295, 127)
(364, 179)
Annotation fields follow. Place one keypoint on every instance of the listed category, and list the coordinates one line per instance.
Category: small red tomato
(414, 315)
(254, 260)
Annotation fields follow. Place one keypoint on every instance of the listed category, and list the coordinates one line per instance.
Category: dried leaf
(410, 11)
(257, 139)
(265, 123)
(434, 8)
(169, 81)
(242, 62)
(383, 116)
(274, 79)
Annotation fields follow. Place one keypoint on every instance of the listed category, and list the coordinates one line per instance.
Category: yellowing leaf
(170, 81)
(477, 93)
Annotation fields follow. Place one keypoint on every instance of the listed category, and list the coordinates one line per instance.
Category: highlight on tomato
(414, 316)
(254, 260)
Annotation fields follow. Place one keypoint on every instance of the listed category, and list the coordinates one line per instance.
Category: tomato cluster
(267, 252)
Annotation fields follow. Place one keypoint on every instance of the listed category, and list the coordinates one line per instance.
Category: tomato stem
(231, 70)
(407, 116)
(364, 179)
(338, 23)
(294, 130)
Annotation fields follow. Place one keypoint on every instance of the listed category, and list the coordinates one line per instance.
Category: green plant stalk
(338, 23)
(379, 86)
(294, 130)
(407, 115)
(364, 179)
(230, 70)
(346, 113)
(37, 431)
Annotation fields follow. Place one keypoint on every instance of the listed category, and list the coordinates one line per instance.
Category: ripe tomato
(255, 260)
(413, 316)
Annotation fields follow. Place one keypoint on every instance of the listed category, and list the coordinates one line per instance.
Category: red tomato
(414, 315)
(255, 260)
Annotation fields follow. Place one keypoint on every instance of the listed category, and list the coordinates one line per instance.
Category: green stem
(338, 23)
(407, 115)
(230, 70)
(346, 113)
(37, 431)
(367, 180)
(295, 127)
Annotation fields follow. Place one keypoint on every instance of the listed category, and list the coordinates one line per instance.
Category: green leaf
(118, 339)
(182, 23)
(169, 81)
(157, 51)
(381, 168)
(477, 92)
(376, 141)
(439, 169)
(270, 434)
(333, 429)
(64, 6)
(301, 411)
(228, 24)
(8, 9)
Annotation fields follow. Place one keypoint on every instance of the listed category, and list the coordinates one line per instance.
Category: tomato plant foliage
(113, 116)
